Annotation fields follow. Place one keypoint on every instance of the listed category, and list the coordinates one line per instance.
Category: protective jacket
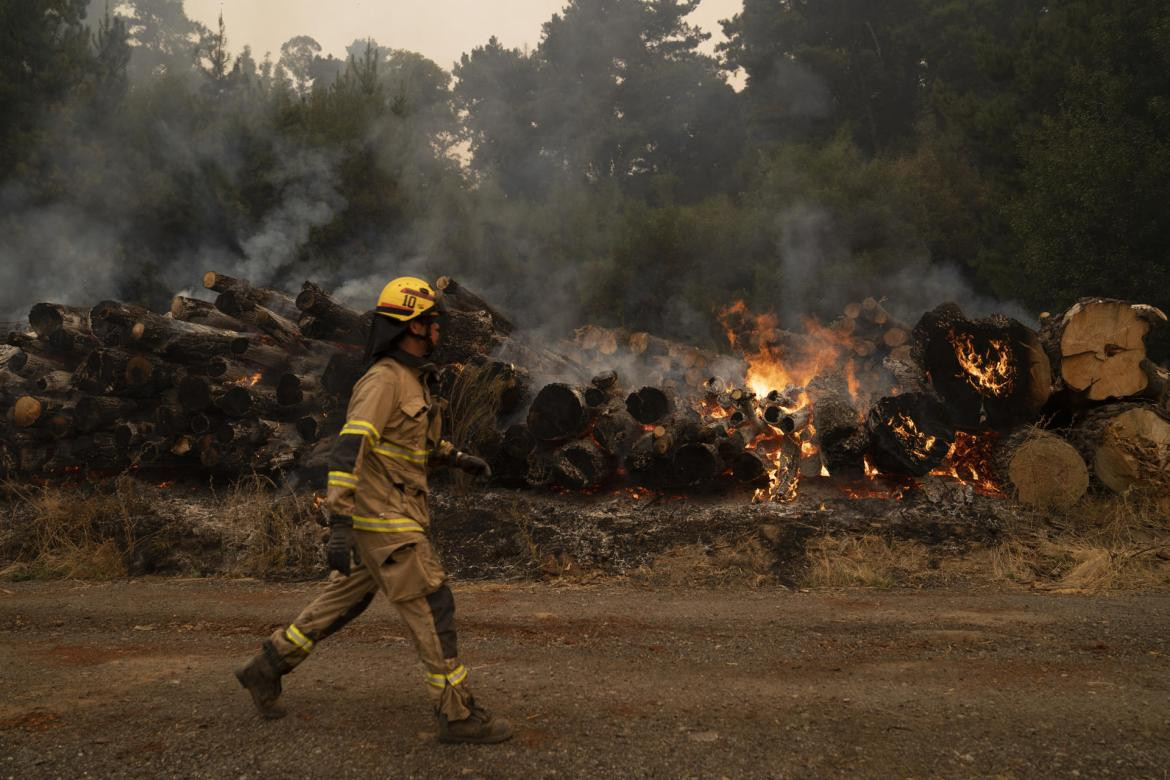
(378, 468)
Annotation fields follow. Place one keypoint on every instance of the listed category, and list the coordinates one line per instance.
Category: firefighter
(378, 508)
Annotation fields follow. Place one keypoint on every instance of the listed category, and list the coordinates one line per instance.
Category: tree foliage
(918, 149)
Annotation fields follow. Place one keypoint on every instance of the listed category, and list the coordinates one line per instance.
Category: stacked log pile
(258, 381)
(252, 382)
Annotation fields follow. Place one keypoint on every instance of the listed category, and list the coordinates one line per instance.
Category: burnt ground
(133, 679)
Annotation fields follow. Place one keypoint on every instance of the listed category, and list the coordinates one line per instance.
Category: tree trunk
(909, 434)
(331, 320)
(282, 330)
(990, 373)
(199, 312)
(1042, 469)
(272, 300)
(558, 412)
(459, 298)
(1127, 446)
(1099, 345)
(649, 405)
(579, 465)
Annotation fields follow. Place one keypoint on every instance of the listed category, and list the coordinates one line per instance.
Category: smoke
(57, 252)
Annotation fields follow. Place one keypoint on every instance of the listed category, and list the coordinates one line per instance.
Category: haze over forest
(992, 152)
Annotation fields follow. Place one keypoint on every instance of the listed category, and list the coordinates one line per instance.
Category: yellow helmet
(408, 297)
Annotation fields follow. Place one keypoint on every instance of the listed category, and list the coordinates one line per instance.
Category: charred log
(649, 405)
(697, 463)
(558, 412)
(991, 373)
(616, 431)
(841, 436)
(909, 434)
(580, 464)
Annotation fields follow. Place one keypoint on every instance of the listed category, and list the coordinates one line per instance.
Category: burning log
(459, 298)
(241, 291)
(580, 464)
(1043, 469)
(1099, 346)
(558, 412)
(909, 434)
(331, 320)
(649, 405)
(245, 309)
(841, 436)
(1127, 446)
(991, 373)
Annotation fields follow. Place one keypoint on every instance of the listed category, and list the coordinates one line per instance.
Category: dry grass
(85, 533)
(278, 530)
(724, 562)
(1105, 544)
(473, 407)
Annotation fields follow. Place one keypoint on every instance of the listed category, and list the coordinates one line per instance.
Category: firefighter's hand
(473, 465)
(337, 551)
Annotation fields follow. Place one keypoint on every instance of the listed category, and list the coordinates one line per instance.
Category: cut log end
(1044, 470)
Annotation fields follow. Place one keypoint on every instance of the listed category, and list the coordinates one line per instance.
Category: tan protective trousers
(405, 568)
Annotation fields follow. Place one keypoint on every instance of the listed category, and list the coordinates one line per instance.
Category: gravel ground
(133, 679)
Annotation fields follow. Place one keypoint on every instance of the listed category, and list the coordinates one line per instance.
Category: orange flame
(990, 371)
(918, 443)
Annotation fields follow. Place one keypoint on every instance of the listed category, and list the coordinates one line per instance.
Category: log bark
(1041, 469)
(558, 412)
(49, 318)
(468, 335)
(330, 319)
(459, 298)
(841, 436)
(282, 330)
(29, 366)
(579, 465)
(615, 431)
(341, 373)
(1127, 446)
(271, 300)
(95, 413)
(199, 312)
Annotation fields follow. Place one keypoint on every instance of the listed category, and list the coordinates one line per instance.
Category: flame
(168, 483)
(969, 462)
(249, 381)
(772, 365)
(987, 371)
(318, 501)
(918, 443)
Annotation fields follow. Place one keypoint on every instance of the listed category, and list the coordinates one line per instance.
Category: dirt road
(133, 679)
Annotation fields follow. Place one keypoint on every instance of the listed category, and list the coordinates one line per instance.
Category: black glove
(337, 551)
(472, 464)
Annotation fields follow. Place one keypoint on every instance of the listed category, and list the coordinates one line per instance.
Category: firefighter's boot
(261, 676)
(478, 728)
